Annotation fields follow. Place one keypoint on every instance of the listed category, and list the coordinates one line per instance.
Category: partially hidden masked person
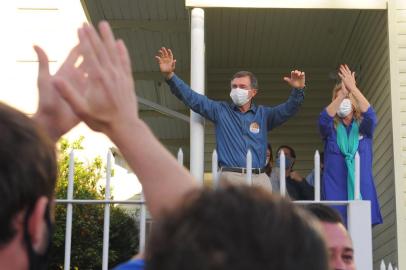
(297, 187)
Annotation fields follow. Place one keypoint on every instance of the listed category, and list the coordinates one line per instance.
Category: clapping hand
(108, 101)
(347, 78)
(296, 80)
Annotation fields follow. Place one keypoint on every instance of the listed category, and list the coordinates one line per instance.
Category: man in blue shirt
(240, 125)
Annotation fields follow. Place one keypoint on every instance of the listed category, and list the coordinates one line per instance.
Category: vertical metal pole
(357, 182)
(69, 210)
(142, 224)
(249, 168)
(180, 156)
(214, 168)
(106, 227)
(197, 79)
(282, 173)
(317, 176)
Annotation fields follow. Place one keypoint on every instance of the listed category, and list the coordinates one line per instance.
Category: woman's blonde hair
(355, 106)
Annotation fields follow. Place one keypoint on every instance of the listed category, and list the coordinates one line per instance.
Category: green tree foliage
(87, 227)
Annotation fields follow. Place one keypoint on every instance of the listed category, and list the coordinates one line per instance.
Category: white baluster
(180, 156)
(357, 178)
(282, 173)
(317, 176)
(249, 168)
(69, 211)
(214, 168)
(383, 267)
(106, 225)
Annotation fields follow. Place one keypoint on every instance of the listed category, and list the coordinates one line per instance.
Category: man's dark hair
(235, 228)
(292, 152)
(27, 167)
(324, 213)
(253, 79)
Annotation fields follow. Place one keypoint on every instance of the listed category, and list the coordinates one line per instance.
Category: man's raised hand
(166, 62)
(296, 79)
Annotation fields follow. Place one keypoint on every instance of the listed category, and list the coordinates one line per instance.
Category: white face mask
(239, 96)
(345, 108)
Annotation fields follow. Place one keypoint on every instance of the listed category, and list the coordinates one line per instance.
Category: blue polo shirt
(135, 264)
(236, 132)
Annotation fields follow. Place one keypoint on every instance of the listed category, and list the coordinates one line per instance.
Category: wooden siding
(368, 50)
(397, 43)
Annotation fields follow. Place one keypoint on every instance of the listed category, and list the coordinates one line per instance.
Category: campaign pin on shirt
(254, 127)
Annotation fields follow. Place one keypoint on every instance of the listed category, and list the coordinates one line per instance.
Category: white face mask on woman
(345, 108)
(239, 96)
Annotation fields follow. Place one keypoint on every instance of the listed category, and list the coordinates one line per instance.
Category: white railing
(358, 211)
(389, 267)
(107, 202)
(359, 217)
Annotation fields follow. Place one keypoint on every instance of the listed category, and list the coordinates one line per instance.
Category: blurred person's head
(338, 241)
(290, 156)
(235, 228)
(27, 182)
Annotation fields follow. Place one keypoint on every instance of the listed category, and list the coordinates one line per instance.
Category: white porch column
(197, 79)
(360, 229)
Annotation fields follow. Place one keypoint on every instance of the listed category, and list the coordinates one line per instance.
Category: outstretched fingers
(109, 41)
(124, 56)
(170, 54)
(96, 45)
(165, 52)
(344, 70)
(158, 59)
(90, 59)
(43, 64)
(98, 67)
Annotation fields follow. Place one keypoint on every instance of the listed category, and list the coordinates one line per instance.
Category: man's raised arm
(281, 113)
(200, 104)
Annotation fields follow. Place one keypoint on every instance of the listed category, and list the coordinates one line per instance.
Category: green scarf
(348, 146)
